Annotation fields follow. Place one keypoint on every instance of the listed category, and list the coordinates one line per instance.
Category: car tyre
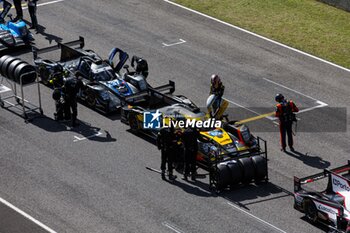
(260, 168)
(248, 169)
(223, 176)
(5, 65)
(310, 211)
(236, 173)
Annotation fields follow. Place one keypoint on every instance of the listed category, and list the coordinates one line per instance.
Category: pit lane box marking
(4, 89)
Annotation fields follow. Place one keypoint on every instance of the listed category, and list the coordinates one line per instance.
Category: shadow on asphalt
(253, 192)
(49, 37)
(143, 137)
(310, 160)
(83, 128)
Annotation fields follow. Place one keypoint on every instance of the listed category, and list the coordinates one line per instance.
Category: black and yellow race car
(230, 153)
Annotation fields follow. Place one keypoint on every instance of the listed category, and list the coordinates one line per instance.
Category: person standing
(19, 11)
(189, 138)
(6, 6)
(165, 142)
(285, 112)
(72, 85)
(56, 80)
(217, 89)
(32, 12)
(141, 66)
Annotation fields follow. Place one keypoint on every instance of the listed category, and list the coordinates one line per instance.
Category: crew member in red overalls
(285, 112)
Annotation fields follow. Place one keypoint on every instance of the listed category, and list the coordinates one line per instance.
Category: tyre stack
(243, 171)
(14, 68)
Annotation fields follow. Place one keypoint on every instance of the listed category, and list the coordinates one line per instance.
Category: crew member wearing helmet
(141, 66)
(56, 79)
(217, 89)
(285, 112)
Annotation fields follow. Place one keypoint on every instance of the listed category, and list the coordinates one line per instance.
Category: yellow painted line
(23, 5)
(255, 118)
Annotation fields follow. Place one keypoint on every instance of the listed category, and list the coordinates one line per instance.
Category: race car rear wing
(65, 47)
(160, 94)
(342, 170)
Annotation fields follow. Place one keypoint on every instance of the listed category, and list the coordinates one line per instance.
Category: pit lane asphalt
(101, 185)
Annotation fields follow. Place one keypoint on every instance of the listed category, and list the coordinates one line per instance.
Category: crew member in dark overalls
(285, 112)
(19, 11)
(189, 138)
(141, 66)
(32, 12)
(72, 85)
(6, 6)
(56, 81)
(166, 142)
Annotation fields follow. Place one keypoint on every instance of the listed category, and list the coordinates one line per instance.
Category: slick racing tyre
(12, 68)
(5, 65)
(28, 72)
(2, 60)
(310, 210)
(248, 169)
(236, 173)
(260, 168)
(223, 176)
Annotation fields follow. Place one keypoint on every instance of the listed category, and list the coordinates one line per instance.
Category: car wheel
(91, 100)
(310, 211)
(260, 168)
(248, 169)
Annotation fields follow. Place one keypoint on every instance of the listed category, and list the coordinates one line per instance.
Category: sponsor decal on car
(330, 211)
(340, 184)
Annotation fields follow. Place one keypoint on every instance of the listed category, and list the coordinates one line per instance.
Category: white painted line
(4, 89)
(298, 92)
(320, 105)
(47, 3)
(27, 216)
(257, 35)
(259, 219)
(172, 227)
(77, 139)
(177, 43)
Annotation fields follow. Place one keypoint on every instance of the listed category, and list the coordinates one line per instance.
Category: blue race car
(12, 34)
